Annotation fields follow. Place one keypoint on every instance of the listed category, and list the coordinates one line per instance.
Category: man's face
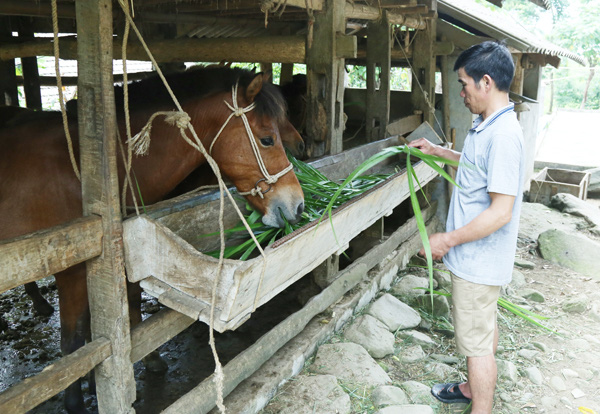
(473, 94)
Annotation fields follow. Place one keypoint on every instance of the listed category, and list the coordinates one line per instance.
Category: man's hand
(424, 145)
(440, 244)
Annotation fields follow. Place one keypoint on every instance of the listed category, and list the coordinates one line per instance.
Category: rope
(425, 94)
(61, 99)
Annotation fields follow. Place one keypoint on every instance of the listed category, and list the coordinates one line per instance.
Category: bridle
(241, 112)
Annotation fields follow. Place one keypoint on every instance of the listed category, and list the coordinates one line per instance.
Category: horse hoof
(43, 308)
(155, 363)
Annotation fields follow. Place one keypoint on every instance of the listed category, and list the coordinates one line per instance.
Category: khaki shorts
(474, 312)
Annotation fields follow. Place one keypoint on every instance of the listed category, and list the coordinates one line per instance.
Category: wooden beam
(36, 255)
(282, 49)
(106, 280)
(423, 84)
(379, 44)
(54, 378)
(404, 125)
(72, 80)
(31, 75)
(35, 9)
(155, 331)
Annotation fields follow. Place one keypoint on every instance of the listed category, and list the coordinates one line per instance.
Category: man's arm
(428, 148)
(488, 221)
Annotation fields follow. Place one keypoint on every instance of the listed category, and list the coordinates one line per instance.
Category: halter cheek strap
(241, 112)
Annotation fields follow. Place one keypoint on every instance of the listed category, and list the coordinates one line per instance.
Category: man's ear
(487, 82)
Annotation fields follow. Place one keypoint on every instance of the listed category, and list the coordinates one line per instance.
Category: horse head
(249, 151)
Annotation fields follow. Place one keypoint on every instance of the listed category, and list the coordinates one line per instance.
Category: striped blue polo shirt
(492, 161)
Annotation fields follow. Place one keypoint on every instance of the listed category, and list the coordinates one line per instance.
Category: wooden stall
(324, 35)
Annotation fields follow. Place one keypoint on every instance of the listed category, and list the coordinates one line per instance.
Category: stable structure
(324, 35)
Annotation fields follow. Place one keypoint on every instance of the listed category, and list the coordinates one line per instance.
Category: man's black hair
(491, 58)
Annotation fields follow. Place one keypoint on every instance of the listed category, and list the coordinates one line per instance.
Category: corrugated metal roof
(499, 24)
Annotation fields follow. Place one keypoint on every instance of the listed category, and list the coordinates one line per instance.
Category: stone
(524, 264)
(408, 288)
(565, 401)
(541, 346)
(418, 338)
(528, 353)
(573, 251)
(577, 393)
(406, 409)
(313, 394)
(411, 354)
(568, 203)
(372, 334)
(443, 279)
(531, 295)
(534, 375)
(446, 359)
(439, 370)
(577, 304)
(558, 384)
(507, 371)
(349, 362)
(441, 307)
(518, 280)
(388, 395)
(394, 313)
(569, 373)
(418, 393)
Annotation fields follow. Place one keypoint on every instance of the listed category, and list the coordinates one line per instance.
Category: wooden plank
(54, 378)
(423, 84)
(155, 331)
(36, 255)
(404, 125)
(202, 398)
(106, 281)
(31, 86)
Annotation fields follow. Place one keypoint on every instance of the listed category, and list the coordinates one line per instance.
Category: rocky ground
(387, 358)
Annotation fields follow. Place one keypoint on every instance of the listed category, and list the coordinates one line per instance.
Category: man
(481, 231)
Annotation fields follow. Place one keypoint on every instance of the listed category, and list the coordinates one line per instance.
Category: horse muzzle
(290, 208)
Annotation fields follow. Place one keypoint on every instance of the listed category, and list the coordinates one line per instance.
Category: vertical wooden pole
(287, 73)
(445, 71)
(423, 96)
(379, 44)
(9, 94)
(325, 78)
(107, 289)
(31, 75)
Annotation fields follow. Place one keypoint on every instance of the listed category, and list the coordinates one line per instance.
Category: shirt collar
(479, 124)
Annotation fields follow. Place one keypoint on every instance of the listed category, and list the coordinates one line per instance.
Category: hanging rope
(61, 99)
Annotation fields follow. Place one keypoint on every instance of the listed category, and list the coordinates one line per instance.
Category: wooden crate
(182, 278)
(551, 181)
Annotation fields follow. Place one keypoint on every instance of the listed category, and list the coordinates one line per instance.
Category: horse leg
(40, 304)
(74, 325)
(153, 362)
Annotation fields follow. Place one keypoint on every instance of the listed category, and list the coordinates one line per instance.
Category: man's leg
(482, 381)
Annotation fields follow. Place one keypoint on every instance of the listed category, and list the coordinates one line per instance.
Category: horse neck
(171, 159)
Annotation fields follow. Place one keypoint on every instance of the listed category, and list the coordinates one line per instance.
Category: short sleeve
(504, 164)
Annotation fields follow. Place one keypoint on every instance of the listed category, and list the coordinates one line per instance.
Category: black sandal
(449, 393)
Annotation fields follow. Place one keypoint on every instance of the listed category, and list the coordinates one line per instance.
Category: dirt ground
(29, 342)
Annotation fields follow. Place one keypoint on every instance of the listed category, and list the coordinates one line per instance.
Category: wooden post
(287, 73)
(325, 78)
(517, 83)
(31, 76)
(9, 94)
(107, 289)
(379, 44)
(423, 83)
(445, 71)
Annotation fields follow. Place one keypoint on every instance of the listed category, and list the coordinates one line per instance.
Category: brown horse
(39, 189)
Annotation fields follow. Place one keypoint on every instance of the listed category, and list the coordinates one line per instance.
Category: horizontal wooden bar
(155, 331)
(72, 80)
(54, 378)
(36, 255)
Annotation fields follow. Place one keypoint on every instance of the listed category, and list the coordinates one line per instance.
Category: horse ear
(254, 88)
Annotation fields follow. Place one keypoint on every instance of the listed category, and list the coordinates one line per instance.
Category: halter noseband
(241, 112)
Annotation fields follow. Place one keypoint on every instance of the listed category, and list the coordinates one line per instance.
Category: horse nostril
(301, 147)
(300, 209)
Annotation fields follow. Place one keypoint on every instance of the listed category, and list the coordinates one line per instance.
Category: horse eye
(267, 141)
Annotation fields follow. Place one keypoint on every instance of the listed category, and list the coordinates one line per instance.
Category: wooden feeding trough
(181, 277)
(551, 181)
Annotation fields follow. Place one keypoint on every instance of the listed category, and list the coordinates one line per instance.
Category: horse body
(39, 188)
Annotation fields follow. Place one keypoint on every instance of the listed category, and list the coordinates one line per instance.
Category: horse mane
(198, 82)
